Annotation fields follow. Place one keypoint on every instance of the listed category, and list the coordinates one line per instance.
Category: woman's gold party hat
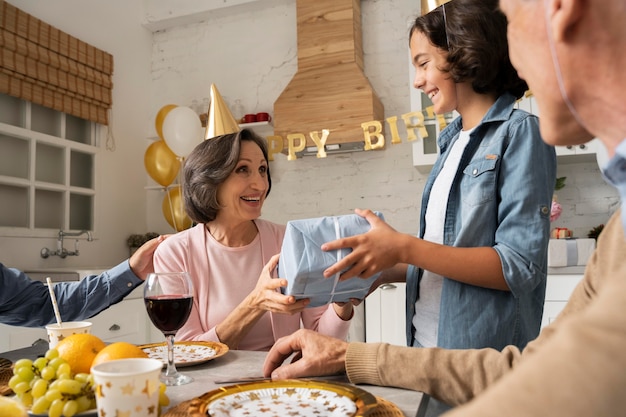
(221, 120)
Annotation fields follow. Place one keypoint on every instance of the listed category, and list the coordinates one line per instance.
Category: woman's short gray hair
(208, 166)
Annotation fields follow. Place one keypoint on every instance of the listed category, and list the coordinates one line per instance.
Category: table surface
(236, 364)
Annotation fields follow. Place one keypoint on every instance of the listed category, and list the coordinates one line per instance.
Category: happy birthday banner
(372, 134)
(413, 121)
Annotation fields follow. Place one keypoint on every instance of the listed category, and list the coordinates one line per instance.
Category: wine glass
(169, 297)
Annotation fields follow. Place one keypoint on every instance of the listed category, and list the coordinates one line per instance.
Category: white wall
(252, 56)
(249, 52)
(114, 26)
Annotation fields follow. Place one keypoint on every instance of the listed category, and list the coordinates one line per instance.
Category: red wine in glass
(168, 297)
(168, 312)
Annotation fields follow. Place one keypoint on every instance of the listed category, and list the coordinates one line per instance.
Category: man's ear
(564, 15)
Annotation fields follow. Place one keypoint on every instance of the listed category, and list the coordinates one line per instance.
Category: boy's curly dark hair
(474, 35)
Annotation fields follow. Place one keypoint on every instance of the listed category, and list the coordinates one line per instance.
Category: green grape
(53, 394)
(26, 373)
(56, 408)
(163, 398)
(69, 386)
(21, 387)
(14, 380)
(26, 399)
(55, 362)
(40, 363)
(70, 408)
(84, 403)
(22, 363)
(81, 377)
(51, 354)
(64, 369)
(48, 373)
(39, 388)
(40, 406)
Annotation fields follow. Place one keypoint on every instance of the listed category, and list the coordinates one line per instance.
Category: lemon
(11, 408)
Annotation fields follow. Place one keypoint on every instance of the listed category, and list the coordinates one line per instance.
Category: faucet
(61, 251)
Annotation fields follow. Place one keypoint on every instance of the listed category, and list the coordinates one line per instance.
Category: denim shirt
(26, 302)
(500, 198)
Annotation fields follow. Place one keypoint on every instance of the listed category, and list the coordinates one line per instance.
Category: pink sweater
(223, 276)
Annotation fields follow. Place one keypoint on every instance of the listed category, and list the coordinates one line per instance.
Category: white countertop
(566, 270)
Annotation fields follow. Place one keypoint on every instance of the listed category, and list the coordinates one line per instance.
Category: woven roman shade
(46, 66)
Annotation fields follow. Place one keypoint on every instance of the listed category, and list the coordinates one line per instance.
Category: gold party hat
(429, 5)
(221, 120)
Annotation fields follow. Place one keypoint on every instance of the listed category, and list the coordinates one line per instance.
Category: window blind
(44, 65)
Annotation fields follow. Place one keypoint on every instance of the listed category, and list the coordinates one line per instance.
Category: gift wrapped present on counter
(560, 233)
(302, 261)
(570, 252)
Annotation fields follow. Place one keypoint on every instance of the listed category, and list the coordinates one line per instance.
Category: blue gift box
(302, 262)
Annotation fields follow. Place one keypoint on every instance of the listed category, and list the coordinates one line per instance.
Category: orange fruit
(118, 350)
(79, 351)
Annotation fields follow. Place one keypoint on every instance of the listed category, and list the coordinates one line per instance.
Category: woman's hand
(267, 296)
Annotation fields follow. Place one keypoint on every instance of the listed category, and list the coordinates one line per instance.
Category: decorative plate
(186, 353)
(297, 398)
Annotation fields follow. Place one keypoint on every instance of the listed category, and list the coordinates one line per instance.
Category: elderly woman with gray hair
(231, 252)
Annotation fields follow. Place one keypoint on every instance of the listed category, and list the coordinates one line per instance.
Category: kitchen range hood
(329, 90)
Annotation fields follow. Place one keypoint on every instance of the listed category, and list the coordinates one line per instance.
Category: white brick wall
(251, 56)
(587, 199)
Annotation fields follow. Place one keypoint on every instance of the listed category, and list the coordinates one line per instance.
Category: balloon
(182, 130)
(161, 163)
(174, 210)
(160, 117)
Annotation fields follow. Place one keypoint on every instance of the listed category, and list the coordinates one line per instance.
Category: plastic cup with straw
(61, 330)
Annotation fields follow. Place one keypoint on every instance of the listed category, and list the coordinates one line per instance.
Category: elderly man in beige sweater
(571, 54)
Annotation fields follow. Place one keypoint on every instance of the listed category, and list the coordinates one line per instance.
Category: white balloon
(182, 130)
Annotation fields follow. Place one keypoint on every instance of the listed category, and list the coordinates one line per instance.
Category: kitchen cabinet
(125, 321)
(559, 286)
(48, 161)
(385, 317)
(385, 314)
(585, 152)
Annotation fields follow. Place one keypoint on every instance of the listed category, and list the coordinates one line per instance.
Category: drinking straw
(55, 306)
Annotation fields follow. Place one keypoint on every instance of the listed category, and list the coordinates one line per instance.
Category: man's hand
(141, 261)
(317, 355)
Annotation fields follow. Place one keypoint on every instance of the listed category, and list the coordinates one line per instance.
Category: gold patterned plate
(186, 353)
(297, 398)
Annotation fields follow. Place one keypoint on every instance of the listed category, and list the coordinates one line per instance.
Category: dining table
(219, 371)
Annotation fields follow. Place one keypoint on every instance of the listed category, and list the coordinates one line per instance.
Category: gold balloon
(160, 117)
(221, 120)
(174, 210)
(161, 163)
(429, 5)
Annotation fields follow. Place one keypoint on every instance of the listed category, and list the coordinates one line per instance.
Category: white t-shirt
(426, 318)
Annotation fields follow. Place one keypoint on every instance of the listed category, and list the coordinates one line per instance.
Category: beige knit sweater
(575, 367)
